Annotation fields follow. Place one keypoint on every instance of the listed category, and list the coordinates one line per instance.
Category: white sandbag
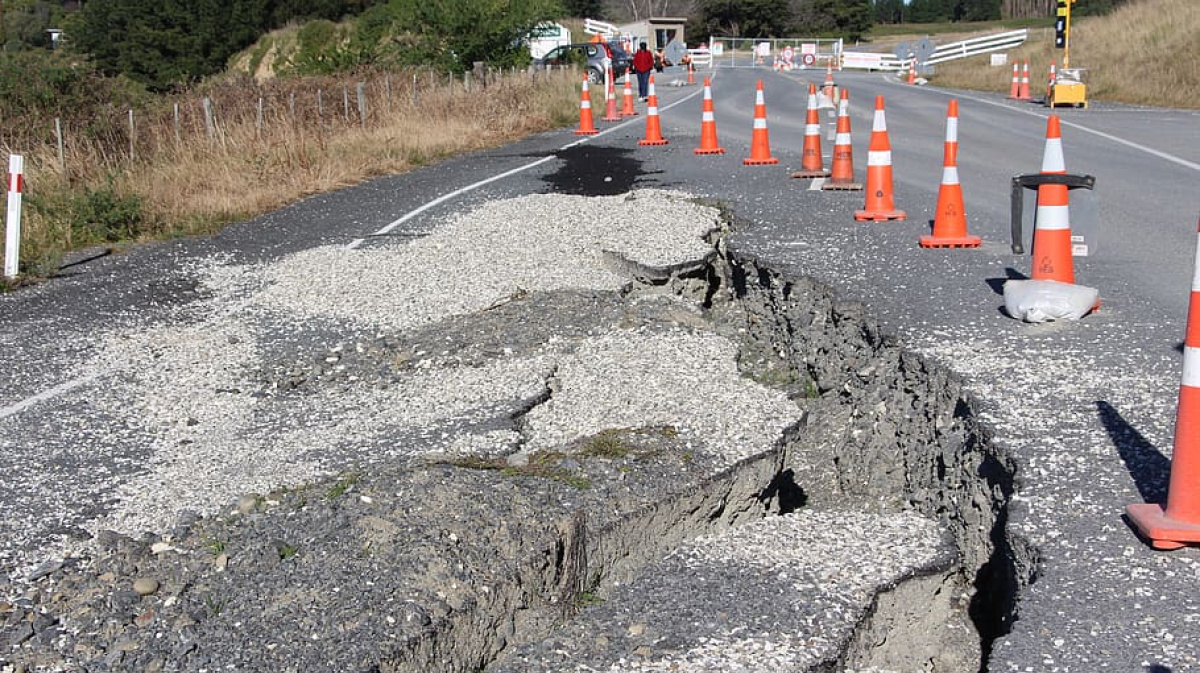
(1042, 300)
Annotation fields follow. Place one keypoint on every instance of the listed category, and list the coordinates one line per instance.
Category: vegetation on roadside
(1142, 53)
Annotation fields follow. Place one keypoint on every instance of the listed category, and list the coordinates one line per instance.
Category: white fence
(743, 52)
(947, 52)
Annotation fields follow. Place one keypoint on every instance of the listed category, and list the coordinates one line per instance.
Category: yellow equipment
(1068, 89)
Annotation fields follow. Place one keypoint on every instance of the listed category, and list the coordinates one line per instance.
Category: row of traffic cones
(1171, 525)
(1020, 87)
(1052, 238)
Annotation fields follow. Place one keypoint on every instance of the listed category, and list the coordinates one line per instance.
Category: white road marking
(61, 388)
(816, 184)
(476, 185)
(1107, 136)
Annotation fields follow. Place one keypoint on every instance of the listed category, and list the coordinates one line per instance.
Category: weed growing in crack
(342, 485)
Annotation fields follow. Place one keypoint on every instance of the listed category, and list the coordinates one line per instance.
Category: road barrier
(948, 52)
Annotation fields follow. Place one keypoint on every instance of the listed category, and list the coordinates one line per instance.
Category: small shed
(658, 32)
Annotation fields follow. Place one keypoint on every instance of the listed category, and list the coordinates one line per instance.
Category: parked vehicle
(589, 56)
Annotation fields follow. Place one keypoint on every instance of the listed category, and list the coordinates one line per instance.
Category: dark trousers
(643, 84)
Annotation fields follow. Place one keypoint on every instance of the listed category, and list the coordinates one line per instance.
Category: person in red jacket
(643, 63)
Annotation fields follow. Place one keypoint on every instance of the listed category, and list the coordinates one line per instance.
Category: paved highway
(944, 303)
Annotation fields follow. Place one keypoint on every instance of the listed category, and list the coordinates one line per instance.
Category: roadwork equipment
(950, 218)
(811, 163)
(880, 204)
(1178, 523)
(760, 141)
(708, 125)
(842, 171)
(653, 127)
(587, 126)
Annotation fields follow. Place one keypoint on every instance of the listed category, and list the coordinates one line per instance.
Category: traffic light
(1060, 23)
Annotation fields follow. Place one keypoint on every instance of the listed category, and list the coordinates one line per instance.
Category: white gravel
(211, 445)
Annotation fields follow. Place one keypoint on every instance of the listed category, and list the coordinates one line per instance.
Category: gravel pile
(780, 594)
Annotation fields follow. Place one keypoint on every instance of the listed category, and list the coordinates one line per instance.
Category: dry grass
(1146, 52)
(189, 181)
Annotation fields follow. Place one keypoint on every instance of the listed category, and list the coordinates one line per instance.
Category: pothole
(497, 561)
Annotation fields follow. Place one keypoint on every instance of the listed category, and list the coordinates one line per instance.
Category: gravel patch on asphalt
(780, 594)
(196, 389)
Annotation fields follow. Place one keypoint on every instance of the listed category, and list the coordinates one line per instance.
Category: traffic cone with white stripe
(1015, 90)
(1024, 90)
(587, 126)
(1178, 522)
(1050, 83)
(760, 140)
(827, 88)
(950, 220)
(880, 205)
(691, 74)
(653, 127)
(1052, 226)
(708, 125)
(841, 175)
(811, 165)
(610, 98)
(627, 104)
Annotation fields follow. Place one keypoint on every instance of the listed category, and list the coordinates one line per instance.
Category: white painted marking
(520, 169)
(1107, 136)
(815, 185)
(61, 388)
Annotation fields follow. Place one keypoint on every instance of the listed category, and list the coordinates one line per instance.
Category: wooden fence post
(132, 131)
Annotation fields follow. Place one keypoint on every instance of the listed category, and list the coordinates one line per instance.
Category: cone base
(586, 132)
(1152, 523)
(709, 150)
(660, 141)
(811, 174)
(843, 186)
(950, 241)
(879, 215)
(614, 118)
(760, 162)
(629, 114)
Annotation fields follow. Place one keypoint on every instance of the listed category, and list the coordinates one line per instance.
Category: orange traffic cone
(1050, 83)
(1024, 90)
(912, 71)
(842, 174)
(760, 141)
(950, 220)
(1015, 90)
(587, 127)
(1052, 226)
(627, 104)
(811, 165)
(691, 74)
(880, 203)
(653, 128)
(610, 98)
(828, 86)
(708, 125)
(1178, 523)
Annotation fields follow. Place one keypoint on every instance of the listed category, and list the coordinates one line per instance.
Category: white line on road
(476, 185)
(61, 388)
(1107, 136)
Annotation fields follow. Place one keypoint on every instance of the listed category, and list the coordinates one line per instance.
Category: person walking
(643, 63)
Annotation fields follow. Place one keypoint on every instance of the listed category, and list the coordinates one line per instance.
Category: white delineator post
(12, 240)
